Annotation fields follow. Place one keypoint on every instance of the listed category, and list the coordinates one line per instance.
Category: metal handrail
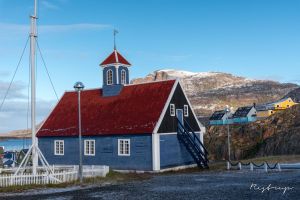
(194, 144)
(184, 131)
(194, 134)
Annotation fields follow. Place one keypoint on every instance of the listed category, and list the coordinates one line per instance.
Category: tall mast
(33, 35)
(34, 150)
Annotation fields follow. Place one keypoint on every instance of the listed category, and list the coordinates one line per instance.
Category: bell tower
(115, 72)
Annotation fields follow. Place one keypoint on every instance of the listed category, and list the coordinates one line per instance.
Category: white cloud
(8, 29)
(14, 114)
(15, 92)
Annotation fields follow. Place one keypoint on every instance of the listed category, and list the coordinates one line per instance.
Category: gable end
(169, 123)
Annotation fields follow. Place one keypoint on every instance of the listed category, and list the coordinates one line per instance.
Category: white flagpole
(33, 35)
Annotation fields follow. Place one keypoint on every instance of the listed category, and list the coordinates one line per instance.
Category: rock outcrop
(294, 94)
(277, 135)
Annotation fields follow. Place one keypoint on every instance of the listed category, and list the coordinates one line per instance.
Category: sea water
(15, 144)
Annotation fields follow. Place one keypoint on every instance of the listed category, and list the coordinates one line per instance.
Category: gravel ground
(209, 185)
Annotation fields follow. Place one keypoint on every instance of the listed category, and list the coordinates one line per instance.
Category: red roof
(115, 57)
(136, 110)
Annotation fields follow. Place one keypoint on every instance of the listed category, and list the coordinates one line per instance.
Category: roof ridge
(116, 55)
(150, 82)
(99, 88)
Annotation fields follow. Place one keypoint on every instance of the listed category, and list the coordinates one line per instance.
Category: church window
(123, 77)
(109, 77)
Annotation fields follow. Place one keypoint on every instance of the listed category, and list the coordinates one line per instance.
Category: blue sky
(255, 38)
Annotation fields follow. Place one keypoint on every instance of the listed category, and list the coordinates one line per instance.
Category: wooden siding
(169, 123)
(173, 152)
(106, 152)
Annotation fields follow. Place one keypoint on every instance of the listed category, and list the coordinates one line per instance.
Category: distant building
(9, 159)
(268, 109)
(220, 117)
(244, 115)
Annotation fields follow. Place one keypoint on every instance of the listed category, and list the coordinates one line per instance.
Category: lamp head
(227, 109)
(78, 86)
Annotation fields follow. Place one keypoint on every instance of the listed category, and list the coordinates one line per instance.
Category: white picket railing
(60, 176)
(42, 178)
(265, 166)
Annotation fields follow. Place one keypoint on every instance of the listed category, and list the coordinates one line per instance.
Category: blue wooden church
(142, 127)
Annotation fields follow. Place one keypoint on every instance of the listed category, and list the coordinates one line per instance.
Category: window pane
(172, 109)
(55, 148)
(93, 147)
(86, 147)
(109, 77)
(61, 149)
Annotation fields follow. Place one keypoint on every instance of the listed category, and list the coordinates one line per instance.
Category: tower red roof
(115, 58)
(136, 110)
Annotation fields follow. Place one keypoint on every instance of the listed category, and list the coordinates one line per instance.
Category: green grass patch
(19, 188)
(111, 178)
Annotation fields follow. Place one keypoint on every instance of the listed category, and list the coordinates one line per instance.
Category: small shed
(244, 115)
(220, 117)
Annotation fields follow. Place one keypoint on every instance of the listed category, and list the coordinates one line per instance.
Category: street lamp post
(227, 111)
(78, 86)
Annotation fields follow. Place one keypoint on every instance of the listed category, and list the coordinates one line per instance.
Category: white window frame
(109, 77)
(172, 110)
(87, 152)
(59, 151)
(122, 150)
(186, 110)
(123, 79)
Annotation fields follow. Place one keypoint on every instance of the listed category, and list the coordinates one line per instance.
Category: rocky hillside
(16, 134)
(277, 135)
(209, 91)
(295, 95)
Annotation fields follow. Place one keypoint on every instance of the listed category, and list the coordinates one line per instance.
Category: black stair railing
(193, 144)
(189, 129)
(194, 139)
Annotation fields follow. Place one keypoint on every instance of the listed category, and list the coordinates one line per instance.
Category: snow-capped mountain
(209, 91)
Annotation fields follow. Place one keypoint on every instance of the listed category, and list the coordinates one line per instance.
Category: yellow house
(284, 104)
(271, 108)
(264, 113)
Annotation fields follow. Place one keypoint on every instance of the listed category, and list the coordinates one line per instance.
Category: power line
(46, 69)
(15, 72)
